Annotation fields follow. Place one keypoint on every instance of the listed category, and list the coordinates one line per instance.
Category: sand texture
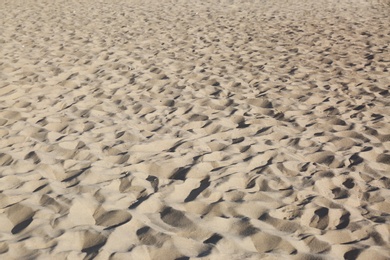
(185, 129)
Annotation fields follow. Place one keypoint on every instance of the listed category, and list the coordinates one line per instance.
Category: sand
(194, 129)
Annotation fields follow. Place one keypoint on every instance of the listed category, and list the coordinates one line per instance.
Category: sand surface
(194, 129)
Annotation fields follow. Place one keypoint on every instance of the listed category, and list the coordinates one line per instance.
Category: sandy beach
(177, 129)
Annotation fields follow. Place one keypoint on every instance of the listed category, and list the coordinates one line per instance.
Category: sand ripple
(194, 129)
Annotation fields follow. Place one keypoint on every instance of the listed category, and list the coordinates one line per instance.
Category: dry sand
(194, 129)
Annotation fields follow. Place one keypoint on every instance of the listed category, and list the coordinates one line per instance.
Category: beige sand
(194, 129)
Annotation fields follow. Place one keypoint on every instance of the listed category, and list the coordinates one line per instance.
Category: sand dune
(194, 129)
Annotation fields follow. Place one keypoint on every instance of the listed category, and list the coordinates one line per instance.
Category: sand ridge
(194, 129)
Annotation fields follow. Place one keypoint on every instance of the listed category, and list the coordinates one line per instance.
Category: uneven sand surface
(194, 129)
